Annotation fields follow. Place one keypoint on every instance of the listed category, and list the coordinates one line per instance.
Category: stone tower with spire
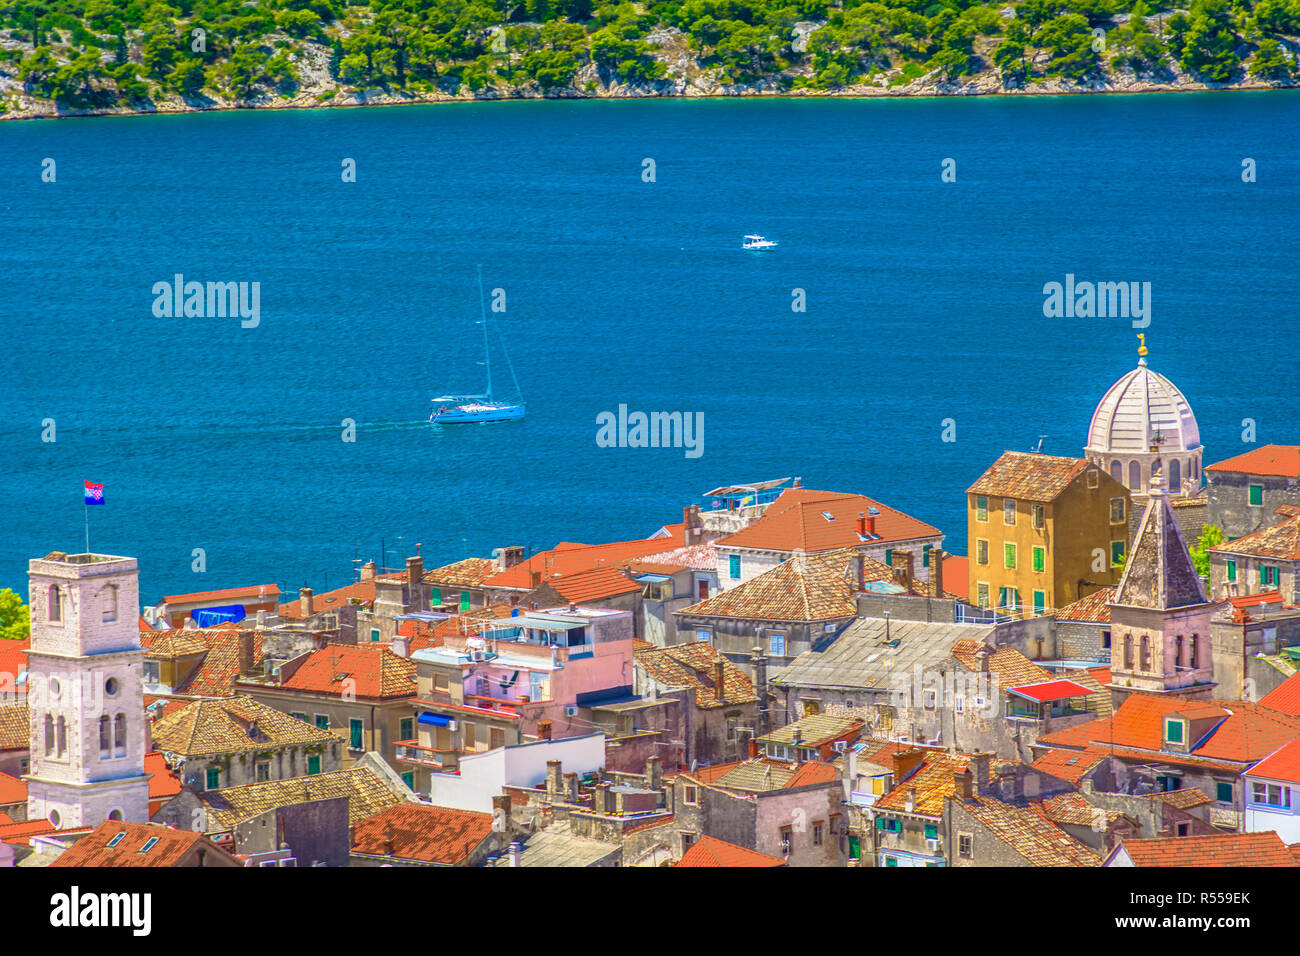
(1160, 616)
(85, 692)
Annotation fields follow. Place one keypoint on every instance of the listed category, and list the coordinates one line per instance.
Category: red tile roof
(164, 783)
(1281, 764)
(692, 665)
(1094, 608)
(796, 521)
(469, 573)
(1068, 765)
(1226, 849)
(956, 575)
(1052, 690)
(1243, 732)
(710, 851)
(257, 595)
(570, 560)
(216, 673)
(12, 789)
(19, 834)
(1028, 477)
(368, 671)
(1280, 460)
(412, 831)
(807, 587)
(1285, 698)
(1280, 541)
(13, 661)
(588, 587)
(362, 592)
(172, 846)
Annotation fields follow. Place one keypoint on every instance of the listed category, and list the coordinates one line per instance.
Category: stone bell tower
(85, 693)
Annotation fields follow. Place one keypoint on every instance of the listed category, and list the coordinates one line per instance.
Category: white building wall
(482, 776)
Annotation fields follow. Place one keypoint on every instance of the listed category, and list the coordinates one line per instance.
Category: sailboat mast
(487, 352)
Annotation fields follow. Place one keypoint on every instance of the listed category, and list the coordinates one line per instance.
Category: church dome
(1141, 413)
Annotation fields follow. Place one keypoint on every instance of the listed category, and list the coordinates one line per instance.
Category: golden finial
(1142, 345)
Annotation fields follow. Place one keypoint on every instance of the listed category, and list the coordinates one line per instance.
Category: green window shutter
(855, 848)
(323, 721)
(374, 633)
(733, 564)
(889, 557)
(435, 597)
(1232, 570)
(213, 778)
(408, 728)
(1116, 552)
(354, 733)
(891, 861)
(1223, 792)
(925, 555)
(1040, 600)
(881, 823)
(313, 764)
(409, 780)
(1040, 559)
(464, 600)
(1256, 494)
(1261, 574)
(932, 831)
(1174, 731)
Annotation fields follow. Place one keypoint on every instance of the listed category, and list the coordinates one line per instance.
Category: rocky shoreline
(686, 79)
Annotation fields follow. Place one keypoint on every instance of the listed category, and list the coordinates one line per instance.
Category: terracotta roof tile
(570, 560)
(1280, 460)
(232, 725)
(13, 662)
(1028, 477)
(1285, 698)
(590, 586)
(258, 594)
(366, 790)
(12, 789)
(932, 781)
(1068, 765)
(710, 851)
(15, 730)
(1280, 541)
(692, 665)
(169, 849)
(1012, 668)
(163, 782)
(1037, 839)
(366, 671)
(1094, 608)
(816, 730)
(811, 587)
(469, 573)
(1226, 849)
(216, 673)
(362, 592)
(796, 521)
(411, 831)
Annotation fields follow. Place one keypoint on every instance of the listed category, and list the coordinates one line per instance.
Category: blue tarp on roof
(438, 720)
(212, 616)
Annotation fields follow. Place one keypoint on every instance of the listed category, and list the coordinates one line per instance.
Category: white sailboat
(464, 409)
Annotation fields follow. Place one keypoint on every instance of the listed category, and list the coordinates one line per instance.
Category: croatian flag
(94, 493)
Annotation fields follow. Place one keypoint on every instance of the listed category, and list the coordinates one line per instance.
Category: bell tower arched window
(109, 602)
(1175, 476)
(55, 607)
(1134, 476)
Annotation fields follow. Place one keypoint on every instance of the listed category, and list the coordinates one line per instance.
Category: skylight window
(148, 844)
(828, 516)
(116, 840)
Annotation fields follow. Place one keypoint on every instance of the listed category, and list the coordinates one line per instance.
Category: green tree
(1211, 536)
(15, 621)
(1271, 62)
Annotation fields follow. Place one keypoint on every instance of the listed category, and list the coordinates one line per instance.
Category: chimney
(516, 852)
(797, 483)
(304, 602)
(501, 810)
(686, 525)
(245, 642)
(572, 607)
(570, 788)
(936, 571)
(962, 785)
(911, 800)
(602, 799)
(979, 766)
(401, 645)
(414, 588)
(620, 804)
(869, 526)
(905, 762)
(543, 730)
(534, 579)
(368, 571)
(352, 835)
(654, 774)
(862, 524)
(554, 778)
(860, 565)
(758, 665)
(902, 564)
(796, 738)
(719, 680)
(388, 841)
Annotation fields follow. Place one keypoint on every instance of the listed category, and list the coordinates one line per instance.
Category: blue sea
(924, 302)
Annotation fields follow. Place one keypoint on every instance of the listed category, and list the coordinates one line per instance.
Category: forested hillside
(94, 55)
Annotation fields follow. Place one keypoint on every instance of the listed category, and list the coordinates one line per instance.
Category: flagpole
(86, 508)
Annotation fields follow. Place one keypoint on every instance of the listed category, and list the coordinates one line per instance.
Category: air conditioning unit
(451, 726)
(571, 711)
(932, 844)
(840, 746)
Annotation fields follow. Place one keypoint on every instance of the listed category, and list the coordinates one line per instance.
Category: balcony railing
(408, 751)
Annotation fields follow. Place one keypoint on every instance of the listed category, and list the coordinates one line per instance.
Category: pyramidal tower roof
(1159, 573)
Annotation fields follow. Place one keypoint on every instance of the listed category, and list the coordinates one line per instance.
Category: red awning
(1052, 690)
